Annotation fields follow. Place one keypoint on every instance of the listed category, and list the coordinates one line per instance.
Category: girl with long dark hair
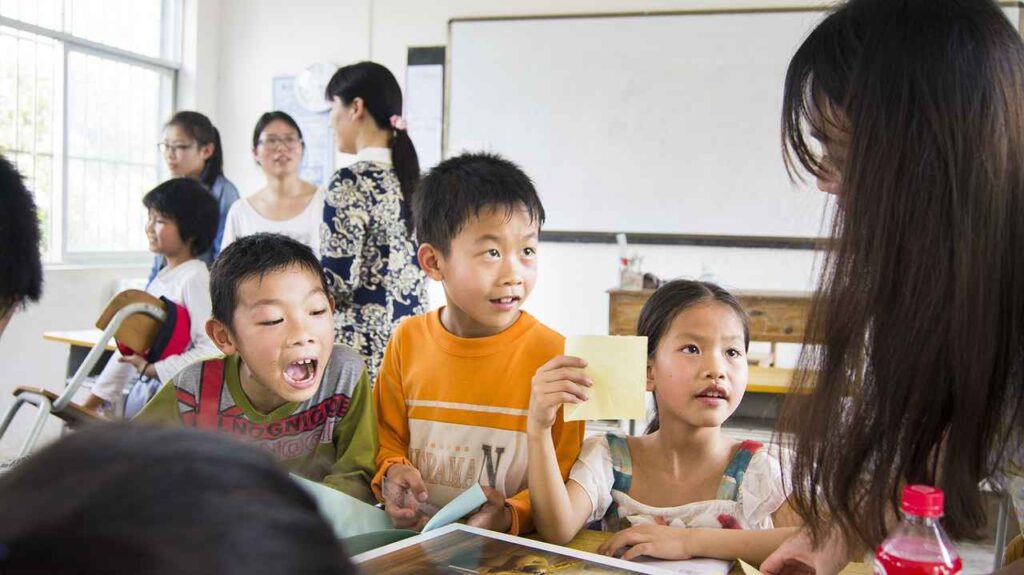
(191, 149)
(367, 246)
(918, 110)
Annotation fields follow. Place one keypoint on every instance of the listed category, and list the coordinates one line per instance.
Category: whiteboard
(664, 123)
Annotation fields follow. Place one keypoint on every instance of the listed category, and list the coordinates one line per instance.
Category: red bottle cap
(922, 501)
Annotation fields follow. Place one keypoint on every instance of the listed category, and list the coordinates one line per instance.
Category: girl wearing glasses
(191, 149)
(287, 205)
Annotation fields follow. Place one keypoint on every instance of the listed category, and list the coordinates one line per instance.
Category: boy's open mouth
(301, 373)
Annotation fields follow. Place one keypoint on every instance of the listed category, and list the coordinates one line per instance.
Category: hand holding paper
(426, 516)
(559, 381)
(749, 569)
(404, 493)
(617, 365)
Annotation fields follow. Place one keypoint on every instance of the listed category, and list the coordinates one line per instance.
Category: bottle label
(887, 564)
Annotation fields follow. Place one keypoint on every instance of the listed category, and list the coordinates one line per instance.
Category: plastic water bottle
(918, 546)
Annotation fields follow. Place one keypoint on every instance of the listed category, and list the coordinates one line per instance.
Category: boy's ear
(330, 302)
(431, 261)
(650, 374)
(221, 336)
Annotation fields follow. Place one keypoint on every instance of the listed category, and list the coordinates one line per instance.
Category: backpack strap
(729, 488)
(211, 385)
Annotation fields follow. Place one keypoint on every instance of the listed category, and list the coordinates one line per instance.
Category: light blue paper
(346, 514)
(457, 508)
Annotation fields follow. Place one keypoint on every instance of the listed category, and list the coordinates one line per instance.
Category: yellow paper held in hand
(618, 367)
(749, 569)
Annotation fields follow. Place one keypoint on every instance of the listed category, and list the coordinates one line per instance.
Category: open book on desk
(362, 526)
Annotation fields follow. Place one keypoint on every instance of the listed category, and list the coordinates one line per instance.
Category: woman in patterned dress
(367, 245)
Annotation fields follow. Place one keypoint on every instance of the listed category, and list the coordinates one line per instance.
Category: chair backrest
(137, 331)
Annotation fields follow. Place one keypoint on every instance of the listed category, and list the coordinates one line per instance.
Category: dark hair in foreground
(119, 499)
(254, 257)
(460, 187)
(919, 372)
(192, 208)
(382, 97)
(21, 270)
(203, 132)
(671, 299)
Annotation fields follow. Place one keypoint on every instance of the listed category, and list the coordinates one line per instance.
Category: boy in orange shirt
(454, 386)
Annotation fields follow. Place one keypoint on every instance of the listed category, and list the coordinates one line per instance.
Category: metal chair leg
(45, 409)
(12, 410)
(1002, 519)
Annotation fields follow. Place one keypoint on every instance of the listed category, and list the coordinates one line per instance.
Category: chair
(1014, 551)
(132, 317)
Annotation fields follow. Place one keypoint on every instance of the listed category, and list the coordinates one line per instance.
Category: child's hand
(404, 511)
(658, 541)
(797, 556)
(558, 381)
(140, 364)
(494, 514)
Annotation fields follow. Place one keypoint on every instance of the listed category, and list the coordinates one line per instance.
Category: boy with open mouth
(283, 383)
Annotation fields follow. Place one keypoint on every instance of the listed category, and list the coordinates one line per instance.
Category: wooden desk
(79, 343)
(588, 540)
(774, 317)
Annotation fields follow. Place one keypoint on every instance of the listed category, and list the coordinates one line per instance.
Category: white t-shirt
(243, 220)
(187, 284)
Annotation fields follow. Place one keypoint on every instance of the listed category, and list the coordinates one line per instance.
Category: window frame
(60, 256)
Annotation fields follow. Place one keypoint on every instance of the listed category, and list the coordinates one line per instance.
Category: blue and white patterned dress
(369, 255)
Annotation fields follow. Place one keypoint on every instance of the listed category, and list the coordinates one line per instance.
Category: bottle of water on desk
(918, 546)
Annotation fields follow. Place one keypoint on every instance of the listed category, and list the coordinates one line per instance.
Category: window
(85, 87)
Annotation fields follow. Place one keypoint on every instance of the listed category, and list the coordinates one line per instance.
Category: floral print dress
(369, 255)
(752, 488)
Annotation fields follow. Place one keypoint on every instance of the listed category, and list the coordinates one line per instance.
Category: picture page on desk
(460, 548)
(351, 517)
(618, 367)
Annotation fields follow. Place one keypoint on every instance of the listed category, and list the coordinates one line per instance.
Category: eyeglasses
(174, 149)
(273, 142)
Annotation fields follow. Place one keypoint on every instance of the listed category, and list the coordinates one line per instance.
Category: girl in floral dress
(367, 246)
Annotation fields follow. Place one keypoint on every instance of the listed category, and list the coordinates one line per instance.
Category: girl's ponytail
(407, 167)
(214, 167)
(382, 96)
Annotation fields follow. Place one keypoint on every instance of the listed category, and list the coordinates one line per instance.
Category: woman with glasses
(191, 149)
(287, 204)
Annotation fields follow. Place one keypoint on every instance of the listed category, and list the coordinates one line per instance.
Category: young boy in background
(182, 224)
(454, 385)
